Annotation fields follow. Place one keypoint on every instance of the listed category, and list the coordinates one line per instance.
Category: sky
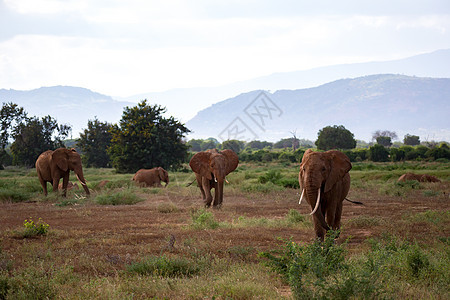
(124, 48)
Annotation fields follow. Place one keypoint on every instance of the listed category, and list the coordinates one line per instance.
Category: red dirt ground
(141, 229)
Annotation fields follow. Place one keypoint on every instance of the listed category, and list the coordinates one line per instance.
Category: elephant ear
(340, 165)
(306, 154)
(60, 157)
(161, 173)
(200, 164)
(232, 160)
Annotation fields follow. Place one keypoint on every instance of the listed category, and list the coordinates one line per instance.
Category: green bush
(271, 176)
(378, 153)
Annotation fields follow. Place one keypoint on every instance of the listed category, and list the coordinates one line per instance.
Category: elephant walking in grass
(51, 166)
(151, 177)
(325, 181)
(210, 168)
(418, 177)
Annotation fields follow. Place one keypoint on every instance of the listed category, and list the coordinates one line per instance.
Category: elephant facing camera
(210, 168)
(325, 181)
(51, 166)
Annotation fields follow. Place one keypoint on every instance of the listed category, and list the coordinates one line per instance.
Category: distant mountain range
(304, 101)
(404, 104)
(185, 103)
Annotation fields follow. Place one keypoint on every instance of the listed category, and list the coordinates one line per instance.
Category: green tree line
(144, 138)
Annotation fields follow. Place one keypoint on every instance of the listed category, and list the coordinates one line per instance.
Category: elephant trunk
(317, 211)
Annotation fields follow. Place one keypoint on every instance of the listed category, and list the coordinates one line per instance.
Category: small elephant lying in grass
(151, 177)
(418, 177)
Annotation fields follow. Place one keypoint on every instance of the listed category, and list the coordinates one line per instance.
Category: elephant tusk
(317, 203)
(301, 197)
(227, 181)
(82, 183)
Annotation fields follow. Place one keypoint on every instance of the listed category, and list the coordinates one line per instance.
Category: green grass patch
(114, 197)
(203, 219)
(165, 266)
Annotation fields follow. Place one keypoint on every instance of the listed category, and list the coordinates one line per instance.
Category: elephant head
(324, 181)
(163, 175)
(211, 168)
(65, 160)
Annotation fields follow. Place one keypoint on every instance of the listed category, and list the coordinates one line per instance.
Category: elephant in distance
(151, 177)
(51, 166)
(210, 168)
(325, 181)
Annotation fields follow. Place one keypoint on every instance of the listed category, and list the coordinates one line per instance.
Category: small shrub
(289, 183)
(271, 176)
(167, 207)
(34, 228)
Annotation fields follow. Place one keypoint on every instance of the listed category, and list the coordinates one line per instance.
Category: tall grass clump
(123, 197)
(165, 267)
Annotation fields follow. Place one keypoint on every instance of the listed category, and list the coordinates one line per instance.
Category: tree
(145, 139)
(335, 137)
(93, 143)
(234, 145)
(385, 133)
(411, 140)
(378, 153)
(258, 145)
(385, 141)
(209, 143)
(32, 136)
(195, 145)
(10, 115)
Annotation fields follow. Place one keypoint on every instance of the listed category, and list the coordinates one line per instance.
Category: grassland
(126, 242)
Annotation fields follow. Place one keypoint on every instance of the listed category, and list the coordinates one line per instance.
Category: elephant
(51, 166)
(210, 168)
(325, 181)
(418, 177)
(151, 177)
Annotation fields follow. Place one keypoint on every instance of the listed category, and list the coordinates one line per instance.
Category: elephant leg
(318, 228)
(207, 192)
(337, 217)
(65, 183)
(44, 186)
(218, 195)
(199, 179)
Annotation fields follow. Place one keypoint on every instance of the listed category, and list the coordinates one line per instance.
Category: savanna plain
(126, 242)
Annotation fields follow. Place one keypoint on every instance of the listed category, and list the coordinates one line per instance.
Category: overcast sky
(122, 48)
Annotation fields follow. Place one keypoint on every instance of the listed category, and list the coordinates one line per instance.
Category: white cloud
(128, 47)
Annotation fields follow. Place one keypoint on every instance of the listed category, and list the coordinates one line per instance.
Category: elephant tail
(354, 202)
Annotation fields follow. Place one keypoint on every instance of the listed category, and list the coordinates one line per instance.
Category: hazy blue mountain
(69, 105)
(404, 104)
(185, 103)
